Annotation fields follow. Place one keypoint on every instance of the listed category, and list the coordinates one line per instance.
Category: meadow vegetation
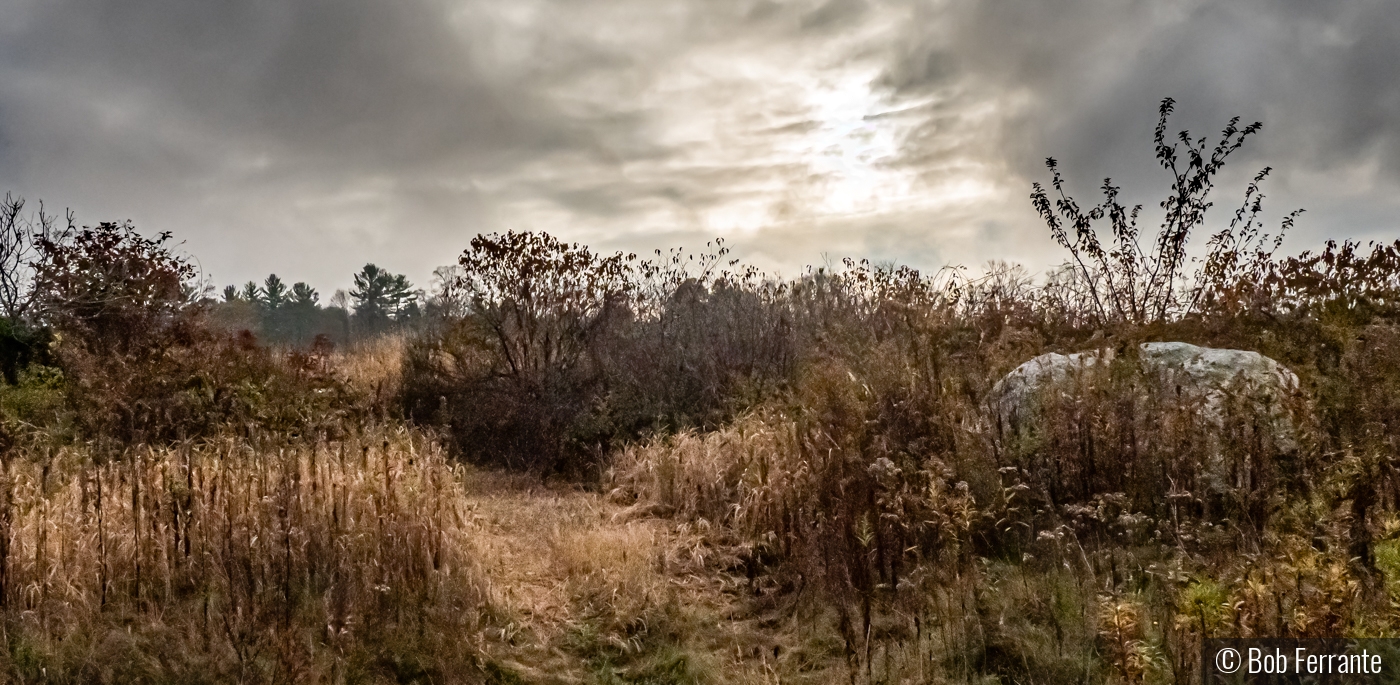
(565, 466)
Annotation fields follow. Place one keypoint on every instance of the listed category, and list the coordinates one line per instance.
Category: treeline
(380, 302)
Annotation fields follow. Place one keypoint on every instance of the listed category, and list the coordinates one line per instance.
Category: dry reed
(241, 559)
(374, 367)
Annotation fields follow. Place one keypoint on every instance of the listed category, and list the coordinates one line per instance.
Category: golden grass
(374, 367)
(741, 476)
(238, 560)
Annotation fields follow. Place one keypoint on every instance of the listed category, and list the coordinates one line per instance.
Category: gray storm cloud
(308, 138)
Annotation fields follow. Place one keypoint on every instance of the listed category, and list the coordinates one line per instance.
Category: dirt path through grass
(590, 591)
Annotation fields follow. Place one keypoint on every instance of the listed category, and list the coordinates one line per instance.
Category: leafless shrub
(1125, 282)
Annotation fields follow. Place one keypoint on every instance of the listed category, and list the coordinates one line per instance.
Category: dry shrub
(200, 386)
(140, 359)
(256, 561)
(514, 378)
(1124, 630)
(554, 356)
(870, 483)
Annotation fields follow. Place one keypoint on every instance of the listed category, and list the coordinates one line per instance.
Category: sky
(308, 137)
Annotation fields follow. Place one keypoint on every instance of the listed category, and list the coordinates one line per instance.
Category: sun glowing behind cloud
(750, 136)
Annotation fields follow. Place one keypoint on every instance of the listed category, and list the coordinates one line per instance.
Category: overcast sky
(307, 137)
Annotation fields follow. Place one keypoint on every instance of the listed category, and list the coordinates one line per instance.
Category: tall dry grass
(373, 368)
(743, 476)
(249, 560)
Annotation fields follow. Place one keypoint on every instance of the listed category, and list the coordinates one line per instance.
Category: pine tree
(252, 293)
(304, 295)
(274, 292)
(382, 298)
(300, 313)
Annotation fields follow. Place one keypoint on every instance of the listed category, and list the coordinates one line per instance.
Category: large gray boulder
(1168, 429)
(1204, 376)
(1156, 422)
